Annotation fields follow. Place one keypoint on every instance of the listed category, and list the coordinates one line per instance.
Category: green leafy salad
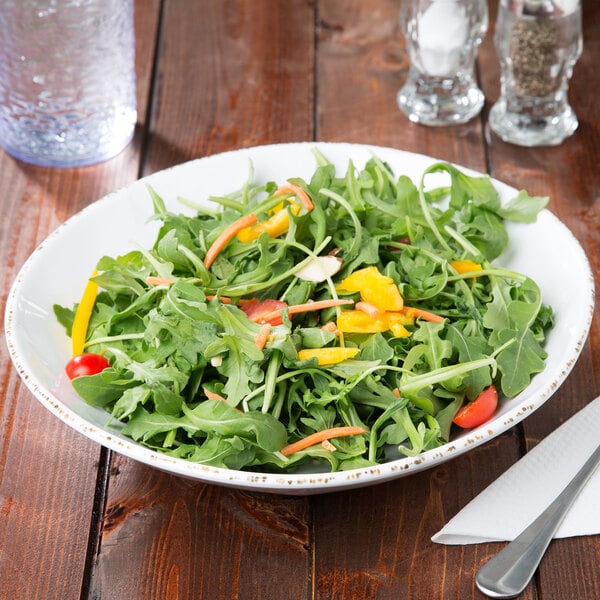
(341, 322)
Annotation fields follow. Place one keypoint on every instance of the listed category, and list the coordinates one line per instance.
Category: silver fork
(508, 573)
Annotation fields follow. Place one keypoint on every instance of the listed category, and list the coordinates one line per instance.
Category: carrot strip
(223, 299)
(331, 327)
(213, 396)
(320, 436)
(262, 337)
(226, 236)
(82, 316)
(245, 301)
(423, 314)
(368, 308)
(152, 280)
(328, 445)
(307, 307)
(297, 191)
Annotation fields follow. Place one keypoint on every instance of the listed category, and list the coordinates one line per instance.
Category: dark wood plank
(48, 471)
(569, 175)
(361, 65)
(233, 74)
(230, 74)
(375, 543)
(185, 539)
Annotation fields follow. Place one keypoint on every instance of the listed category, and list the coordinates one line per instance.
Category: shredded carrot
(82, 316)
(223, 299)
(396, 392)
(307, 307)
(262, 337)
(423, 314)
(213, 396)
(226, 236)
(368, 308)
(332, 327)
(297, 191)
(328, 445)
(320, 436)
(245, 301)
(151, 280)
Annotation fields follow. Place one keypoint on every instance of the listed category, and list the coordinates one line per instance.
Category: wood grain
(569, 175)
(361, 65)
(231, 74)
(79, 523)
(48, 472)
(241, 72)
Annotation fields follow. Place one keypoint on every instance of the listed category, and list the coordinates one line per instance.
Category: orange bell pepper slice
(465, 266)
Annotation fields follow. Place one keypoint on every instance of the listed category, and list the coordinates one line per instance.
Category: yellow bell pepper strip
(279, 222)
(226, 236)
(82, 316)
(274, 226)
(397, 322)
(321, 436)
(328, 356)
(357, 321)
(375, 288)
(466, 266)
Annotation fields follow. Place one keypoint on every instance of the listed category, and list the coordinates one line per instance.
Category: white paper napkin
(517, 497)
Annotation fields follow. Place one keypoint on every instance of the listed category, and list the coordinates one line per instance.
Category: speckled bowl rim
(27, 302)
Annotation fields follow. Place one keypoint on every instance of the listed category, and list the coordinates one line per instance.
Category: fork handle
(508, 573)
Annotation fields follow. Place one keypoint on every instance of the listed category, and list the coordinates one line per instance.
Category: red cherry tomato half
(256, 309)
(478, 411)
(86, 364)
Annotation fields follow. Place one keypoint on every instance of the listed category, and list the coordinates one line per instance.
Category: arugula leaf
(188, 379)
(523, 207)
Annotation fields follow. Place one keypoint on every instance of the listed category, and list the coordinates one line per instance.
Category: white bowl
(57, 270)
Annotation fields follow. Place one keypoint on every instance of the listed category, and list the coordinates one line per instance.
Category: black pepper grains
(534, 50)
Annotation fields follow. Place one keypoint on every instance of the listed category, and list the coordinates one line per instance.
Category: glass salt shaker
(538, 43)
(442, 40)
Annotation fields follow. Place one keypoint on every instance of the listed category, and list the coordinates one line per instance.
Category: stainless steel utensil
(508, 573)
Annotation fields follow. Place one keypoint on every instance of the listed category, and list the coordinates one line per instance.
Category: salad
(342, 321)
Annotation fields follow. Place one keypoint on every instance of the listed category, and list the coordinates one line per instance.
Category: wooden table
(77, 521)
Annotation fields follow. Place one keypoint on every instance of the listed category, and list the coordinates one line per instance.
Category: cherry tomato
(256, 309)
(86, 364)
(478, 411)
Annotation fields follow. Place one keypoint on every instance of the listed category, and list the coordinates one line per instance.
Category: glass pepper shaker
(538, 43)
(442, 40)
